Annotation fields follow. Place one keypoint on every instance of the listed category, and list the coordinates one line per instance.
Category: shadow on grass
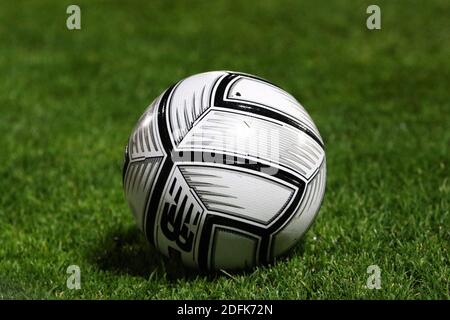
(126, 251)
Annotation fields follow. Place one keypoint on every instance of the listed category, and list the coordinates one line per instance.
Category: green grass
(69, 99)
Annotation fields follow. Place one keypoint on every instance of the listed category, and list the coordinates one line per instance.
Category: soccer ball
(224, 170)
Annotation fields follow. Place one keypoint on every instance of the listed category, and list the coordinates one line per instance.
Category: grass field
(69, 99)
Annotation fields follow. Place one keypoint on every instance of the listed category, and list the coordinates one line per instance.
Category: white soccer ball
(224, 170)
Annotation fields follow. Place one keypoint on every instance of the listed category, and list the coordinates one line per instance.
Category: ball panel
(145, 141)
(245, 89)
(190, 98)
(247, 135)
(232, 249)
(304, 215)
(137, 184)
(237, 193)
